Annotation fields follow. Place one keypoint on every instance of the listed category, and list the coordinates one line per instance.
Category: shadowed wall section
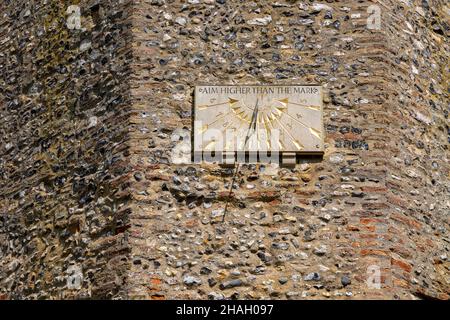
(63, 178)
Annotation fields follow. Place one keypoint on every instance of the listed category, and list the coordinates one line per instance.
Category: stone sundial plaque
(274, 118)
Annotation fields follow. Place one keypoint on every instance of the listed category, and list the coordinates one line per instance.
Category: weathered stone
(191, 281)
(314, 276)
(345, 280)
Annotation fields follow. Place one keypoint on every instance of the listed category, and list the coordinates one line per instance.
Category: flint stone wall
(91, 120)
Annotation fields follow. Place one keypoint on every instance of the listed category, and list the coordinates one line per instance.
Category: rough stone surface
(91, 120)
(64, 100)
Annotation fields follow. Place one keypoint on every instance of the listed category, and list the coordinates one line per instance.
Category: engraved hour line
(258, 144)
(230, 101)
(286, 102)
(244, 142)
(313, 131)
(263, 122)
(209, 142)
(217, 119)
(225, 128)
(269, 135)
(237, 130)
(247, 108)
(269, 122)
(239, 114)
(265, 125)
(296, 143)
(256, 131)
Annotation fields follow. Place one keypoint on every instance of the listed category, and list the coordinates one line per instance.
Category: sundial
(280, 119)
